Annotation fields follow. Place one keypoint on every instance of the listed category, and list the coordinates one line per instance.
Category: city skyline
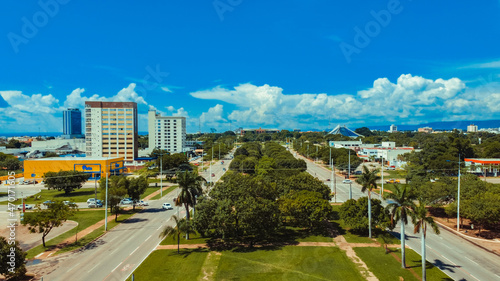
(316, 65)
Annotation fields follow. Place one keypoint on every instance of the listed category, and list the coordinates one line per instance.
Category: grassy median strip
(193, 239)
(84, 220)
(387, 267)
(167, 191)
(163, 265)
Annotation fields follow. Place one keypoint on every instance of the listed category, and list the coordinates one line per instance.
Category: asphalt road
(120, 251)
(458, 258)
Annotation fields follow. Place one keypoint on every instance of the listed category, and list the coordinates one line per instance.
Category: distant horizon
(441, 125)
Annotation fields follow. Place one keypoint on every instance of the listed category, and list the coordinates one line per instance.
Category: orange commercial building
(96, 166)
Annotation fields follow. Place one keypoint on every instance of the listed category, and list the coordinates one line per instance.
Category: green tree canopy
(65, 180)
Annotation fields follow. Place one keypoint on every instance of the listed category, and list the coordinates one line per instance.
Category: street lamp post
(349, 176)
(458, 201)
(382, 173)
(161, 175)
(106, 208)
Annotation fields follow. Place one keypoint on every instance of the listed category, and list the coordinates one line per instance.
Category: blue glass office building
(72, 123)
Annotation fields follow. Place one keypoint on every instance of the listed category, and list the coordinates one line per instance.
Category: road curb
(466, 238)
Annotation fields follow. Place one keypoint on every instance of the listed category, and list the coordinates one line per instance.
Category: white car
(167, 206)
(347, 181)
(90, 200)
(142, 203)
(26, 206)
(126, 201)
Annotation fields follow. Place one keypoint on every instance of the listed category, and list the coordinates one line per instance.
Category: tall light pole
(458, 201)
(106, 209)
(219, 150)
(331, 167)
(161, 175)
(210, 176)
(382, 173)
(349, 176)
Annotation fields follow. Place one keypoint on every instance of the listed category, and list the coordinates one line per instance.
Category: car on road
(347, 181)
(90, 200)
(391, 168)
(69, 203)
(358, 173)
(95, 204)
(224, 169)
(142, 203)
(26, 206)
(48, 202)
(327, 179)
(392, 181)
(213, 175)
(167, 206)
(126, 201)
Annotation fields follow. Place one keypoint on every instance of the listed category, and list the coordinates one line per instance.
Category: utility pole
(458, 201)
(106, 209)
(219, 150)
(349, 176)
(382, 173)
(331, 167)
(334, 185)
(210, 176)
(161, 175)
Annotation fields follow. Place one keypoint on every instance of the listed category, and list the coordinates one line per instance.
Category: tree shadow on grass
(186, 252)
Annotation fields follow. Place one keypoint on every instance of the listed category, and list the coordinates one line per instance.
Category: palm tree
(180, 226)
(368, 181)
(421, 220)
(400, 208)
(190, 185)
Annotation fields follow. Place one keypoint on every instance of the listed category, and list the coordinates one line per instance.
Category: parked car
(90, 200)
(213, 175)
(358, 172)
(392, 181)
(391, 168)
(48, 202)
(347, 181)
(97, 204)
(68, 203)
(26, 206)
(142, 203)
(126, 201)
(167, 206)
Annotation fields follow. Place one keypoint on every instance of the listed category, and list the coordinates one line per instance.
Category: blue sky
(239, 63)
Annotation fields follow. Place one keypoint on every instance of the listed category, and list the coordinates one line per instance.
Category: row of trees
(254, 207)
(119, 187)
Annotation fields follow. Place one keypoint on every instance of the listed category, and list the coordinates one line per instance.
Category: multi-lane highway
(121, 250)
(457, 257)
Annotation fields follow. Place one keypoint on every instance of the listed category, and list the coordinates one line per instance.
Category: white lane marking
(113, 239)
(471, 260)
(73, 267)
(148, 238)
(38, 255)
(429, 247)
(474, 277)
(114, 251)
(134, 251)
(449, 260)
(131, 237)
(94, 267)
(116, 267)
(158, 227)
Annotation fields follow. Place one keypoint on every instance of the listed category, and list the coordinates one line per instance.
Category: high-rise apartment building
(393, 128)
(168, 133)
(72, 123)
(472, 128)
(111, 129)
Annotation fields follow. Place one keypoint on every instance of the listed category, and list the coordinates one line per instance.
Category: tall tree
(190, 186)
(117, 189)
(368, 181)
(400, 207)
(136, 187)
(65, 180)
(180, 226)
(421, 220)
(44, 220)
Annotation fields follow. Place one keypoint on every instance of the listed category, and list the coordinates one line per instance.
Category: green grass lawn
(193, 239)
(168, 190)
(163, 265)
(84, 220)
(79, 195)
(149, 190)
(288, 263)
(386, 267)
(393, 174)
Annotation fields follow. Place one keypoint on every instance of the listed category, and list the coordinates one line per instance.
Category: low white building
(57, 144)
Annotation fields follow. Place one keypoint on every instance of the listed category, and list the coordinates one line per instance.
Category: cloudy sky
(239, 63)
